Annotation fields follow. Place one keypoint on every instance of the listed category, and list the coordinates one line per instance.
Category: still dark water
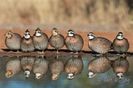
(107, 79)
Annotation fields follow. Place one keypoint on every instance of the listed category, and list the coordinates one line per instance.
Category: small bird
(74, 42)
(98, 65)
(40, 40)
(27, 42)
(27, 65)
(12, 67)
(120, 44)
(56, 40)
(73, 66)
(99, 44)
(120, 66)
(40, 67)
(56, 68)
(13, 40)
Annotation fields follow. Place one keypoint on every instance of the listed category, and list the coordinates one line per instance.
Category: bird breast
(99, 65)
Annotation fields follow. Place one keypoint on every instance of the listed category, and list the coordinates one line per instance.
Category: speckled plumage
(100, 45)
(13, 42)
(74, 43)
(99, 65)
(74, 66)
(27, 63)
(120, 65)
(40, 66)
(40, 42)
(12, 67)
(27, 45)
(56, 67)
(120, 46)
(57, 41)
(27, 42)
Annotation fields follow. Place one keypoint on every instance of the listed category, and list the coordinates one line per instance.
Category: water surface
(107, 79)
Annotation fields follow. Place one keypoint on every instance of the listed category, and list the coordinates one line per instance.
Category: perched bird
(120, 44)
(56, 68)
(120, 66)
(73, 66)
(13, 40)
(56, 40)
(27, 42)
(74, 42)
(40, 40)
(40, 67)
(99, 44)
(27, 63)
(98, 65)
(12, 67)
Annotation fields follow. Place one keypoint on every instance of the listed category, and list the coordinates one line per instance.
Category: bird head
(55, 76)
(27, 34)
(70, 32)
(9, 73)
(27, 73)
(38, 75)
(91, 74)
(120, 36)
(91, 36)
(55, 31)
(9, 34)
(38, 32)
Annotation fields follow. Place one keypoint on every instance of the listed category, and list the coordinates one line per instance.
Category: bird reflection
(120, 66)
(98, 65)
(27, 63)
(56, 68)
(12, 67)
(40, 67)
(73, 66)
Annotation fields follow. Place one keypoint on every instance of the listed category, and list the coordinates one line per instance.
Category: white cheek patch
(38, 75)
(91, 37)
(55, 33)
(26, 36)
(119, 37)
(38, 34)
(27, 73)
(91, 74)
(70, 76)
(70, 34)
(120, 75)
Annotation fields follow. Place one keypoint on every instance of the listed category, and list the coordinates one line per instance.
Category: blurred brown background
(74, 12)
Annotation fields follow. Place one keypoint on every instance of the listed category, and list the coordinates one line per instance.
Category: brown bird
(120, 66)
(98, 65)
(12, 67)
(13, 40)
(56, 40)
(99, 44)
(74, 42)
(56, 68)
(27, 65)
(73, 66)
(120, 44)
(40, 40)
(40, 67)
(27, 42)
